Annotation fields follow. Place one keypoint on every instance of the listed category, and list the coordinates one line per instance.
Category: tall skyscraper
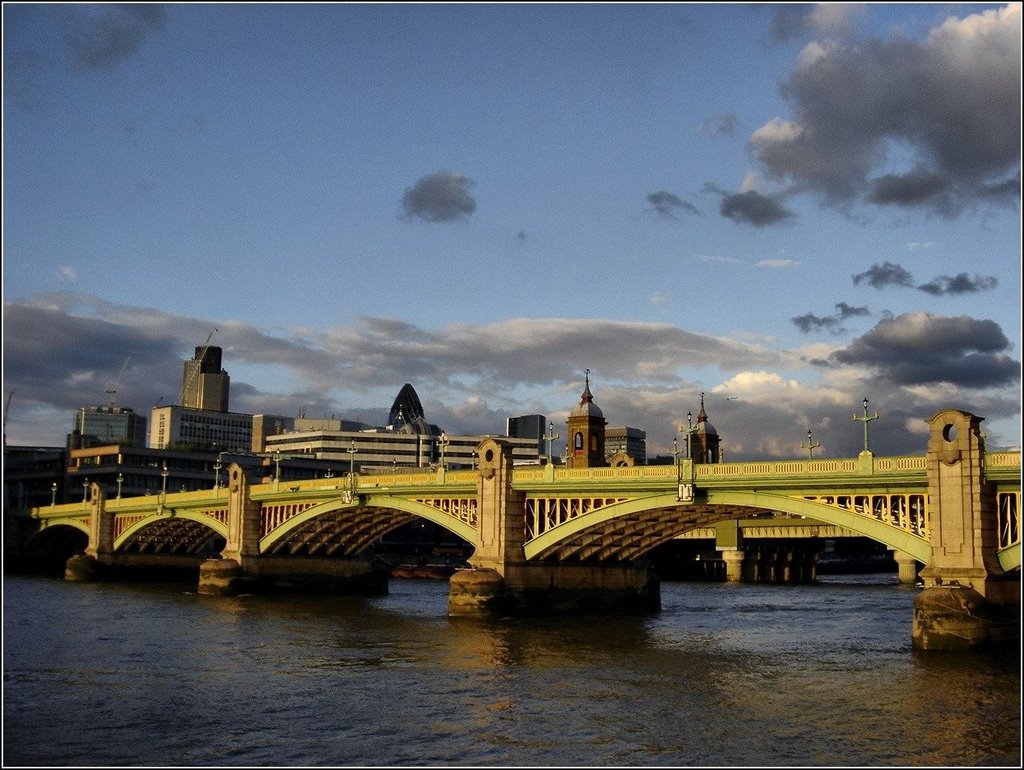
(204, 384)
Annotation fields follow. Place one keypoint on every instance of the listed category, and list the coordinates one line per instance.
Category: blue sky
(788, 208)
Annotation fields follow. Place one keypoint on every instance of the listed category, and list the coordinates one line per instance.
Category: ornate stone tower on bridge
(704, 440)
(968, 599)
(586, 425)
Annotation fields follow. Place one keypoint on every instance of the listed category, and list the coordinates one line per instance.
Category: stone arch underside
(627, 530)
(349, 529)
(183, 533)
(68, 535)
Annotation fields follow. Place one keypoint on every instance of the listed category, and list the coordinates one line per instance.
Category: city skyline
(787, 208)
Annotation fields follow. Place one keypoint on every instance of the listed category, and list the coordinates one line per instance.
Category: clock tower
(586, 425)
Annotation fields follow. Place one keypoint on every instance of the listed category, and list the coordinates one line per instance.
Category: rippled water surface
(119, 674)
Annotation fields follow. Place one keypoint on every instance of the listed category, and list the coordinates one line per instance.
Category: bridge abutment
(502, 580)
(93, 563)
(241, 567)
(968, 600)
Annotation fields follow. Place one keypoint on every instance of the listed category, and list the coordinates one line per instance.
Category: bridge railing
(1009, 521)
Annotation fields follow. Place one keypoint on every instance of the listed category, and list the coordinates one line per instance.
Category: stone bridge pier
(968, 600)
(98, 556)
(502, 580)
(243, 568)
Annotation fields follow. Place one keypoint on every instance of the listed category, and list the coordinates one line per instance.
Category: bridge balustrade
(462, 508)
(908, 512)
(273, 516)
(544, 513)
(1009, 524)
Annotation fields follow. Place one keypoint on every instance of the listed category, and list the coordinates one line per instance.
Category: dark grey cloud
(951, 103)
(115, 35)
(959, 284)
(1006, 191)
(62, 351)
(921, 349)
(832, 323)
(666, 204)
(753, 208)
(911, 189)
(850, 311)
(886, 274)
(810, 323)
(439, 197)
(890, 274)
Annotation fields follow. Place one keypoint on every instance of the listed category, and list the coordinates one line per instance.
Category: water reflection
(724, 675)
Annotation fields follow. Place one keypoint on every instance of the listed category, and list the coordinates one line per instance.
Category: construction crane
(194, 371)
(113, 386)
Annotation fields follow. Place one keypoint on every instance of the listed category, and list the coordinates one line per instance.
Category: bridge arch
(78, 523)
(47, 549)
(718, 504)
(365, 504)
(867, 526)
(167, 522)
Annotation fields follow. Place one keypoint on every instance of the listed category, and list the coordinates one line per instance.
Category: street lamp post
(676, 451)
(865, 419)
(811, 445)
(120, 481)
(689, 431)
(85, 490)
(277, 469)
(552, 436)
(352, 465)
(163, 488)
(216, 471)
(443, 443)
(53, 494)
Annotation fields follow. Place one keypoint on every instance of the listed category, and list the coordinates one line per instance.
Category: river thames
(108, 674)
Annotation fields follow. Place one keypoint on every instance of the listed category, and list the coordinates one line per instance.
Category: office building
(110, 424)
(204, 384)
(626, 441)
(532, 426)
(179, 427)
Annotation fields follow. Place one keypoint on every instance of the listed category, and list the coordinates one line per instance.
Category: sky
(786, 208)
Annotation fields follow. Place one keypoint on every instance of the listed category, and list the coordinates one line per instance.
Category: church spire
(702, 416)
(587, 396)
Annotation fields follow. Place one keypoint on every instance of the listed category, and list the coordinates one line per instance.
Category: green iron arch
(386, 502)
(1009, 557)
(199, 517)
(64, 521)
(890, 536)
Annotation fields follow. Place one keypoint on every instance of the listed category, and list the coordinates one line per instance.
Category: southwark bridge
(562, 540)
